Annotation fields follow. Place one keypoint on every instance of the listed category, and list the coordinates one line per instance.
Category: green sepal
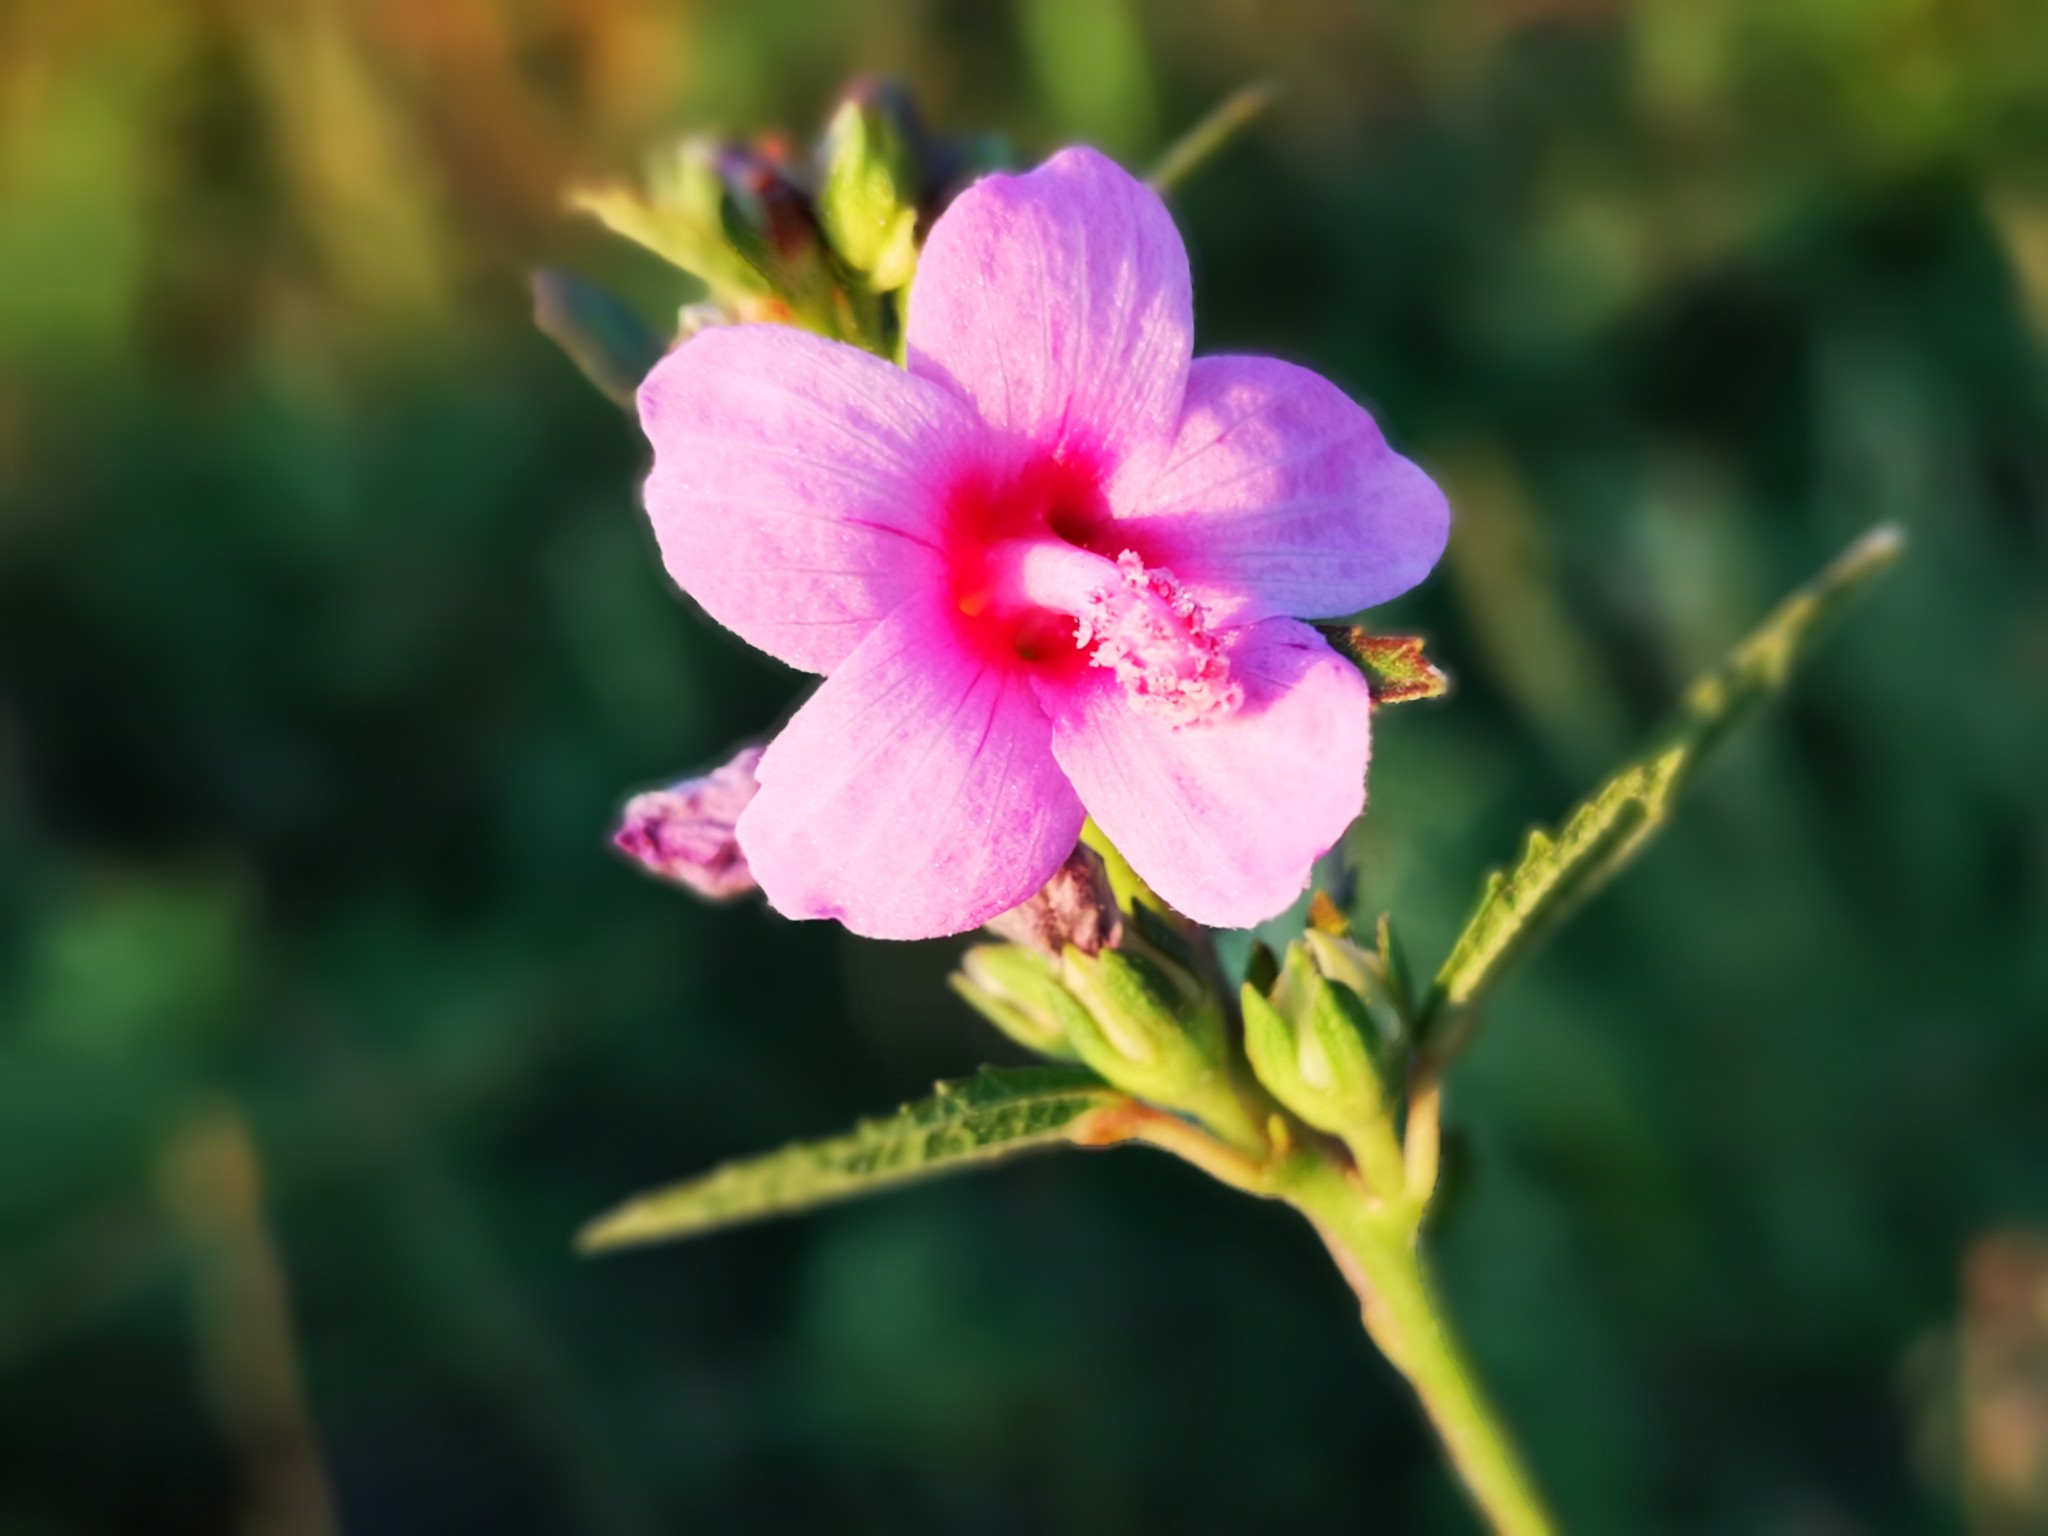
(1012, 1020)
(1316, 1047)
(1001, 1112)
(1394, 967)
(1130, 891)
(1140, 1030)
(1166, 943)
(1021, 993)
(1364, 975)
(868, 203)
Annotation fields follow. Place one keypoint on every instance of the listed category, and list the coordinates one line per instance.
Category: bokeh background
(330, 639)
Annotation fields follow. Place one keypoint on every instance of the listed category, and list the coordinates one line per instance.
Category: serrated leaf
(1000, 1112)
(1395, 669)
(1518, 907)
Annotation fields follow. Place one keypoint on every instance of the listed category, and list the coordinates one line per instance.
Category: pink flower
(1053, 569)
(685, 833)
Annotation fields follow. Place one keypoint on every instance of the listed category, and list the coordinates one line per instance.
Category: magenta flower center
(1044, 579)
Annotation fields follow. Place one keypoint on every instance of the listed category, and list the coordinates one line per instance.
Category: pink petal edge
(1280, 497)
(1225, 820)
(1059, 304)
(796, 484)
(914, 795)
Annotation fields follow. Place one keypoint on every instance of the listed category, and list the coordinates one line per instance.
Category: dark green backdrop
(330, 638)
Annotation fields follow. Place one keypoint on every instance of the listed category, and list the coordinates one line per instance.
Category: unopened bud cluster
(825, 240)
(1117, 989)
(1316, 1040)
(1120, 989)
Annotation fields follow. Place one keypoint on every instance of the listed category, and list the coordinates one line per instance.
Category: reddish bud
(1074, 908)
(685, 833)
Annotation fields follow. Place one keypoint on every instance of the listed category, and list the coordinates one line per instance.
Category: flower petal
(915, 794)
(1224, 819)
(1059, 304)
(793, 486)
(1279, 496)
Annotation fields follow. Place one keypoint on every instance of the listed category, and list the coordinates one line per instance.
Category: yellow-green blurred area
(331, 637)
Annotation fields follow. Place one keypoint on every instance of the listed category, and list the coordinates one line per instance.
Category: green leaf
(1395, 669)
(681, 217)
(605, 339)
(1521, 906)
(1000, 1112)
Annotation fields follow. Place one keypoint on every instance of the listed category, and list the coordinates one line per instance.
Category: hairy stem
(1135, 1120)
(1374, 1247)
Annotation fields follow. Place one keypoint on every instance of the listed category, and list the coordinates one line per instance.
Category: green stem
(1375, 1248)
(1202, 141)
(1380, 1163)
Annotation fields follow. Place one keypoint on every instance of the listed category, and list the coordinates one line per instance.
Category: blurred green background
(331, 638)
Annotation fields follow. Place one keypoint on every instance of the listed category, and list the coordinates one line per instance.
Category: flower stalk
(1374, 1245)
(1371, 1231)
(1295, 1099)
(996, 552)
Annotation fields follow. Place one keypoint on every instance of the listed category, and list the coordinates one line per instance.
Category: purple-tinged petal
(1279, 496)
(1225, 818)
(685, 833)
(797, 483)
(915, 794)
(1059, 304)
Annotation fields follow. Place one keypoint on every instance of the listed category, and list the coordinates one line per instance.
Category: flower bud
(1364, 973)
(1315, 1046)
(1022, 995)
(1143, 1032)
(872, 174)
(767, 216)
(685, 833)
(770, 222)
(1073, 907)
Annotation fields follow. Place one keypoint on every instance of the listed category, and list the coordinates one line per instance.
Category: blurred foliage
(330, 638)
